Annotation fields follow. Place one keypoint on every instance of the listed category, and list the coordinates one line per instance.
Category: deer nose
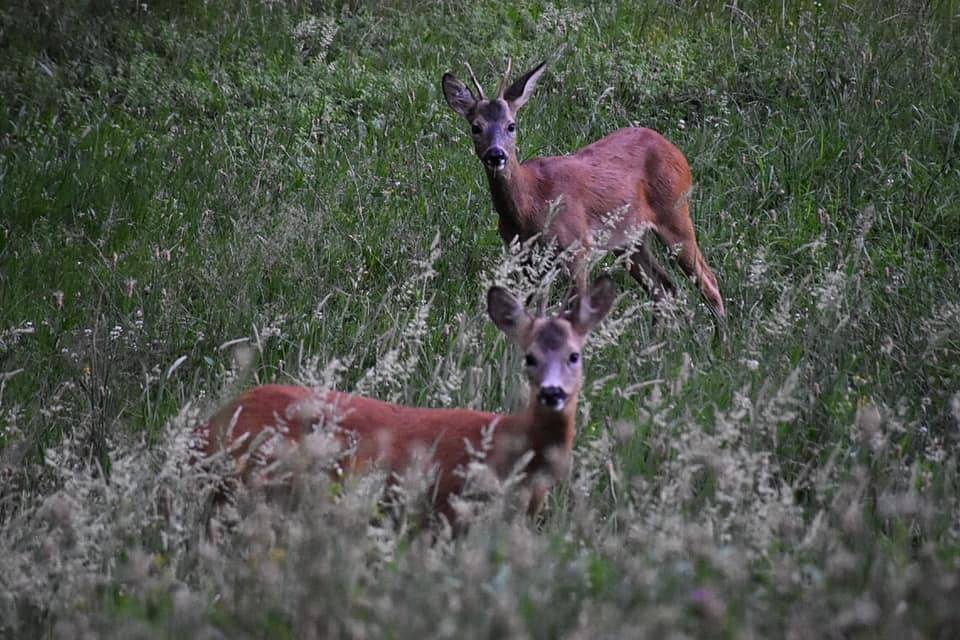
(495, 158)
(552, 397)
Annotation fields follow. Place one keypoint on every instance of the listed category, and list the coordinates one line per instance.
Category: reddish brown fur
(634, 172)
(396, 438)
(388, 436)
(594, 182)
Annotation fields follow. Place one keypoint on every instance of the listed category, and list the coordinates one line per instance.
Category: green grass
(175, 176)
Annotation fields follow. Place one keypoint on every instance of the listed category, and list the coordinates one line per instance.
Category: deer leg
(695, 266)
(538, 492)
(680, 234)
(646, 270)
(578, 272)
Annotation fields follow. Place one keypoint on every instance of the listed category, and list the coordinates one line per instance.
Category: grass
(196, 198)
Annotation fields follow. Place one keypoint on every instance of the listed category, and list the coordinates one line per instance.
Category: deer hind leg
(646, 270)
(679, 234)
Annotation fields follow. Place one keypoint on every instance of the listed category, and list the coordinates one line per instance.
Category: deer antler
(506, 79)
(475, 83)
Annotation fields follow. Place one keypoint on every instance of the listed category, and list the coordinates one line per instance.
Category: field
(199, 197)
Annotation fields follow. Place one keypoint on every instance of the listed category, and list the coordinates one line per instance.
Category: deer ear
(458, 96)
(508, 314)
(521, 90)
(587, 311)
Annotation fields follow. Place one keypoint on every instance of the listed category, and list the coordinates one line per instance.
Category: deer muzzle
(552, 397)
(495, 158)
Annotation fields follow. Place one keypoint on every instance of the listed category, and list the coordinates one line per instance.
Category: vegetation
(198, 197)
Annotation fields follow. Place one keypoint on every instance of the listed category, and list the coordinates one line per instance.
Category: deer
(604, 196)
(537, 441)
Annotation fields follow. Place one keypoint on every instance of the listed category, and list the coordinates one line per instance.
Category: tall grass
(195, 199)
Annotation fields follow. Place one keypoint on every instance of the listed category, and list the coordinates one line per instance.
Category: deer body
(395, 438)
(591, 188)
(604, 196)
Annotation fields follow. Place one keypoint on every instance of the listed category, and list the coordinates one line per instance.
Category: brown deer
(393, 437)
(604, 196)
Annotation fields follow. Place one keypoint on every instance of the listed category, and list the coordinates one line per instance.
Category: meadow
(199, 197)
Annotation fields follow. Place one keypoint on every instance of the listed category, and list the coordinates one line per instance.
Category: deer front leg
(579, 272)
(566, 230)
(508, 230)
(538, 492)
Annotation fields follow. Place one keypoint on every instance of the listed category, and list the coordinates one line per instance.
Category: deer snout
(495, 158)
(552, 397)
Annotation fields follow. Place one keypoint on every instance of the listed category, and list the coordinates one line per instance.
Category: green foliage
(180, 178)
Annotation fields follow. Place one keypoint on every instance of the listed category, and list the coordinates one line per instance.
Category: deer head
(493, 122)
(552, 344)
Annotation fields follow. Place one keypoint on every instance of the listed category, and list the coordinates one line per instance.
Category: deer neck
(541, 431)
(514, 194)
(557, 428)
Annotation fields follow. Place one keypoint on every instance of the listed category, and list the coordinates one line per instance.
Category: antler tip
(475, 82)
(506, 78)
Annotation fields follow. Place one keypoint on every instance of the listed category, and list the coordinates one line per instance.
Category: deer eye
(512, 127)
(530, 360)
(574, 358)
(476, 129)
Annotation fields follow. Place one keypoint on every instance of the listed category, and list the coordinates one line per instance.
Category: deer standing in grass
(605, 195)
(393, 437)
